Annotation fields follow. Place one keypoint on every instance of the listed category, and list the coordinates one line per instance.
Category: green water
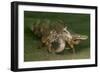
(78, 23)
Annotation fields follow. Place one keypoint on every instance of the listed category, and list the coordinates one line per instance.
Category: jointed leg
(72, 47)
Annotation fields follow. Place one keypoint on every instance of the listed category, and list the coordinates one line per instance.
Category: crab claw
(82, 37)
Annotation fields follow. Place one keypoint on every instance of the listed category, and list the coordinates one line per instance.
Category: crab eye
(75, 40)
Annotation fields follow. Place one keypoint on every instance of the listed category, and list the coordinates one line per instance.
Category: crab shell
(61, 46)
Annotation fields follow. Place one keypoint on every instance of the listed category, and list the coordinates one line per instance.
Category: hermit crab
(56, 40)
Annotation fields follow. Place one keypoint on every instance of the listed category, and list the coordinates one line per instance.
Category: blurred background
(76, 23)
